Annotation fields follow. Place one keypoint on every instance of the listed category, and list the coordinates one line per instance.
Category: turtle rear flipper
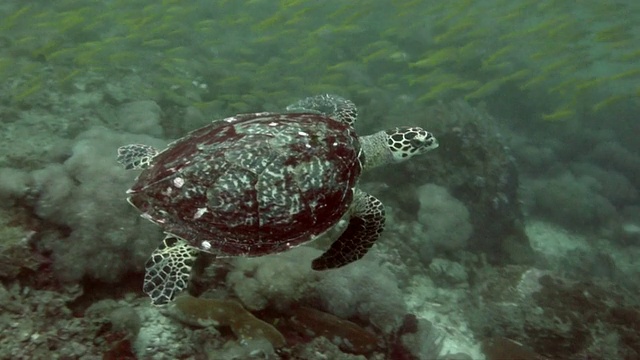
(136, 156)
(168, 270)
(365, 226)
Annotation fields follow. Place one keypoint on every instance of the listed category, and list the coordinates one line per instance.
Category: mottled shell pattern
(252, 184)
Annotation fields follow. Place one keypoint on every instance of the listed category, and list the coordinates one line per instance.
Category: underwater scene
(320, 179)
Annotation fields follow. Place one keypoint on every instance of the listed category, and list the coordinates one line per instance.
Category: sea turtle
(262, 183)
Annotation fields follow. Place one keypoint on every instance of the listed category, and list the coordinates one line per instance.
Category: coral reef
(419, 339)
(230, 313)
(286, 279)
(556, 317)
(77, 199)
(477, 169)
(139, 117)
(572, 202)
(559, 80)
(358, 313)
(347, 335)
(161, 337)
(13, 186)
(502, 348)
(351, 292)
(17, 258)
(322, 348)
(38, 323)
(267, 282)
(613, 185)
(445, 219)
(613, 156)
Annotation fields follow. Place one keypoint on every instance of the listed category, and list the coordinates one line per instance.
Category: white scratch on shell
(178, 182)
(199, 213)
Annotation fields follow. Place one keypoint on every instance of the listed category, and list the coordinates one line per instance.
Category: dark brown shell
(252, 184)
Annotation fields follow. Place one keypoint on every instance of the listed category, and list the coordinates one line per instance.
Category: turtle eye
(417, 142)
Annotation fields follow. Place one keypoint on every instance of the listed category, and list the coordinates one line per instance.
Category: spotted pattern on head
(406, 142)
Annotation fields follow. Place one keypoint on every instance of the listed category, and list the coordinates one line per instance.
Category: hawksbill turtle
(263, 183)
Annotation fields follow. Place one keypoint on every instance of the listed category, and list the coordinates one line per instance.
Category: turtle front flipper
(365, 226)
(168, 270)
(334, 106)
(136, 156)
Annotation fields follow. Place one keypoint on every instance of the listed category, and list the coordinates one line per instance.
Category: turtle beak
(425, 144)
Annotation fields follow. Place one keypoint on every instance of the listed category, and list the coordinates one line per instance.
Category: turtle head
(407, 142)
